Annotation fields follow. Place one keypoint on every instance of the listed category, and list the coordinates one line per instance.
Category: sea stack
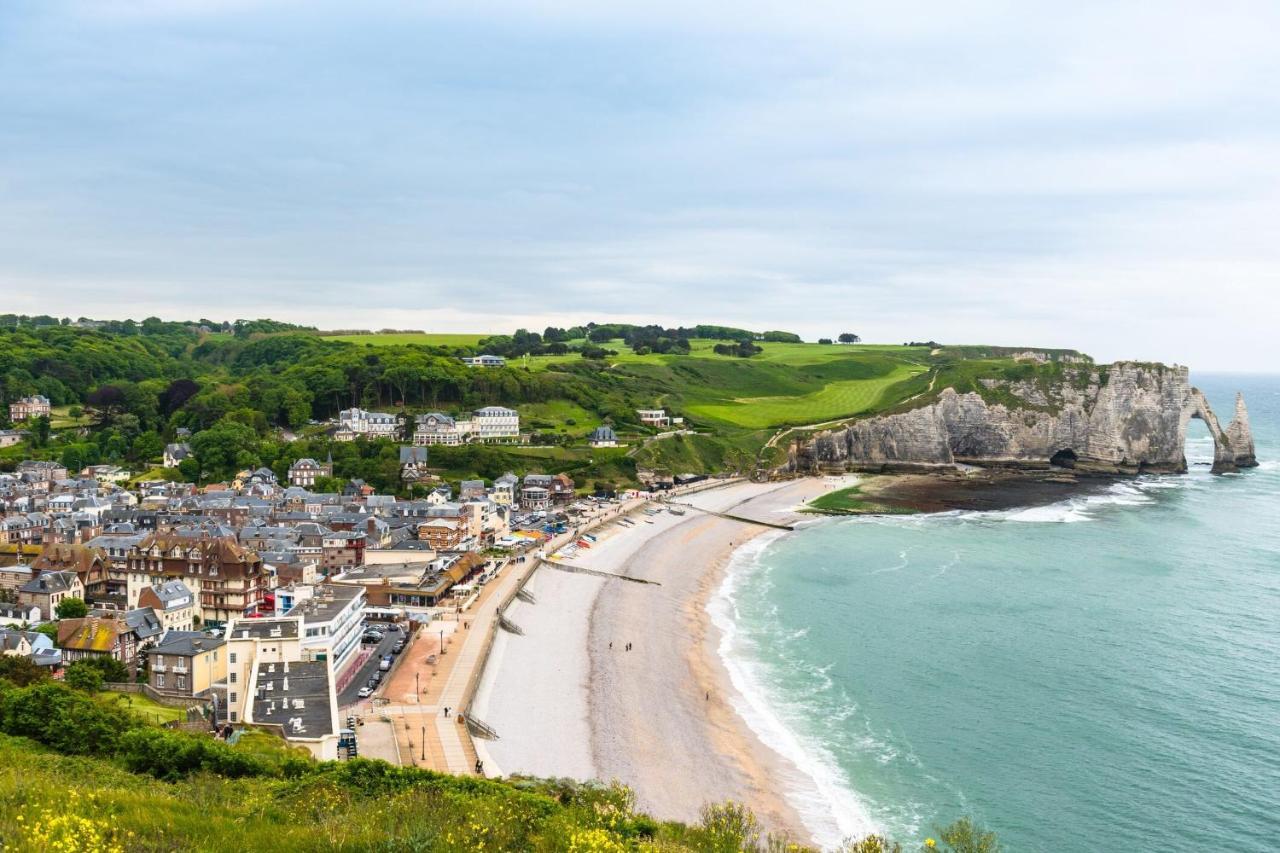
(1240, 436)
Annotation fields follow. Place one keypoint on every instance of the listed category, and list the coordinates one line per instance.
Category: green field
(851, 501)
(151, 711)
(410, 338)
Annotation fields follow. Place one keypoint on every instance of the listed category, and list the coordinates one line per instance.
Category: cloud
(1097, 176)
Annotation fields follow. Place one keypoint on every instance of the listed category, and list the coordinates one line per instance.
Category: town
(263, 603)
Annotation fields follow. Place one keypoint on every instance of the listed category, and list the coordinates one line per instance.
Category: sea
(1100, 674)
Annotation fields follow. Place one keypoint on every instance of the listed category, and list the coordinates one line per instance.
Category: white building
(331, 620)
(484, 360)
(437, 428)
(604, 436)
(361, 422)
(654, 417)
(495, 423)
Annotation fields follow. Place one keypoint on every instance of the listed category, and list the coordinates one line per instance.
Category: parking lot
(350, 693)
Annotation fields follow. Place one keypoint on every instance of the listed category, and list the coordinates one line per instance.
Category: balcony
(159, 667)
(180, 670)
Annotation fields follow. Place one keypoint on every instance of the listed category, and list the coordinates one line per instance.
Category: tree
(824, 340)
(71, 608)
(225, 448)
(20, 671)
(848, 338)
(40, 431)
(82, 676)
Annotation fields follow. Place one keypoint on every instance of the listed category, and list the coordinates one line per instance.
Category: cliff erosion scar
(1125, 418)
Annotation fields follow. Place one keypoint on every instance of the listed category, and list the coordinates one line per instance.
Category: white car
(365, 692)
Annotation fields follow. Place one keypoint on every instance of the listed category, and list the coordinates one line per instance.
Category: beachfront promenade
(415, 696)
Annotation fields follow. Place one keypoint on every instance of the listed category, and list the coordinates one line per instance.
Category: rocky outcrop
(1126, 418)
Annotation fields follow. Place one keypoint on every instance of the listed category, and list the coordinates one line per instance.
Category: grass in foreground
(152, 712)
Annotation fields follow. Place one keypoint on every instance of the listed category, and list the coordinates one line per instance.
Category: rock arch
(1232, 447)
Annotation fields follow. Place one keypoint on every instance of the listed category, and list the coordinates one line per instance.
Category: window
(182, 682)
(232, 678)
(160, 680)
(231, 697)
(231, 657)
(233, 716)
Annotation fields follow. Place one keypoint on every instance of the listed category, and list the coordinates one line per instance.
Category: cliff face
(1127, 418)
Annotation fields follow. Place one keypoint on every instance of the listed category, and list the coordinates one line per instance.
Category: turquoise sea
(1101, 674)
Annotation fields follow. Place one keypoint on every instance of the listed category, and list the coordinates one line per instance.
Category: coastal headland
(622, 681)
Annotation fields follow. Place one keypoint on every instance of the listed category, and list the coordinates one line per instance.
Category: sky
(1102, 176)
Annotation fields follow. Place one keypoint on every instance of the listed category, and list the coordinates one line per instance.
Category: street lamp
(424, 743)
(416, 691)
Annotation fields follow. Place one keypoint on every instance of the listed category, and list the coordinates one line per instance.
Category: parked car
(385, 664)
(365, 692)
(371, 637)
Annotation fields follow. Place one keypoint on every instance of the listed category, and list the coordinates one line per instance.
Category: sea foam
(821, 795)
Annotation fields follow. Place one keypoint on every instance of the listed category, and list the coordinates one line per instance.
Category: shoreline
(666, 718)
(662, 718)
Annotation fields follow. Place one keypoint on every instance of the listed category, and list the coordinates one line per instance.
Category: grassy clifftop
(78, 773)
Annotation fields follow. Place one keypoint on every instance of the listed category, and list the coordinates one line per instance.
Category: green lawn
(851, 502)
(423, 339)
(838, 399)
(138, 703)
(60, 418)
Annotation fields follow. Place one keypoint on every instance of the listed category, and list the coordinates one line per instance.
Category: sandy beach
(568, 699)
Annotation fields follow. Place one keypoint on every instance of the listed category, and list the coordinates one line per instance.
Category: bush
(71, 608)
(64, 719)
(109, 668)
(20, 671)
(174, 755)
(82, 676)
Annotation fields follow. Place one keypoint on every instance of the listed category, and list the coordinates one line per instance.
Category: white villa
(492, 423)
(361, 422)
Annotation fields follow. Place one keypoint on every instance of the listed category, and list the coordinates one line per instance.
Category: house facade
(228, 580)
(436, 428)
(186, 665)
(484, 360)
(173, 602)
(495, 423)
(27, 408)
(374, 424)
(304, 472)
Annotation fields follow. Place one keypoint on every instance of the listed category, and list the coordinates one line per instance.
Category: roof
(49, 582)
(295, 696)
(328, 601)
(144, 622)
(186, 644)
(435, 417)
(173, 593)
(90, 634)
(495, 410)
(604, 433)
(263, 629)
(408, 453)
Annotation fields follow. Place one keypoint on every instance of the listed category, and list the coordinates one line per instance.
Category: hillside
(82, 773)
(257, 393)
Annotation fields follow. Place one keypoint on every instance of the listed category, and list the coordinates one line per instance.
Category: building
(186, 665)
(30, 644)
(604, 436)
(91, 565)
(654, 417)
(27, 408)
(341, 549)
(443, 534)
(306, 471)
(228, 579)
(504, 489)
(495, 423)
(173, 603)
(332, 620)
(270, 685)
(437, 428)
(10, 437)
(484, 360)
(174, 453)
(97, 637)
(535, 497)
(375, 424)
(48, 589)
(12, 614)
(413, 463)
(297, 700)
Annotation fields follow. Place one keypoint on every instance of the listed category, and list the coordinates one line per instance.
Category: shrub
(71, 608)
(174, 755)
(20, 671)
(82, 676)
(65, 719)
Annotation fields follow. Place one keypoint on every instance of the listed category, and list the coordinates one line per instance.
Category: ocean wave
(823, 798)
